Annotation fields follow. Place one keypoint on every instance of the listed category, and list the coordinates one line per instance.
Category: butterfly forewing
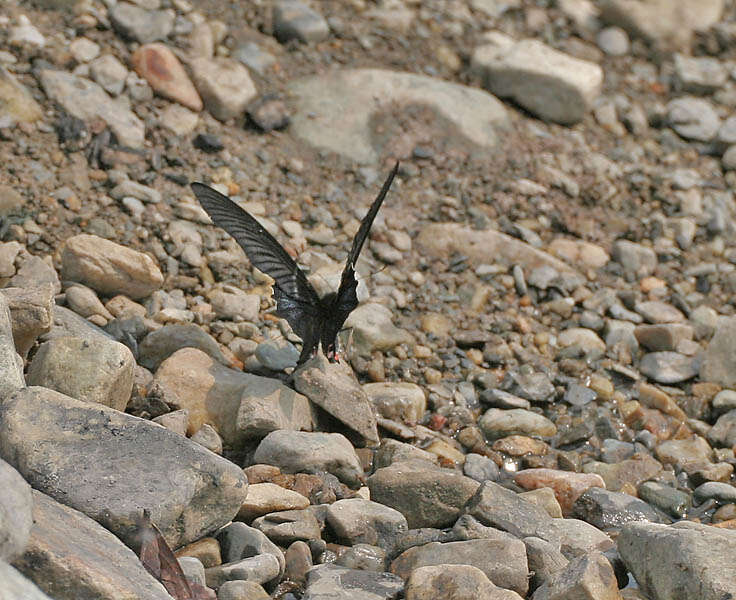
(265, 253)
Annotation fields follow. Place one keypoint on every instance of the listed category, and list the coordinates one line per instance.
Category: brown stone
(164, 73)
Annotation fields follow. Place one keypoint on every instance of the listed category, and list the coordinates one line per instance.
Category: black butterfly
(312, 318)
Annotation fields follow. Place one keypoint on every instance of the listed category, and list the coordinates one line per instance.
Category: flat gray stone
(502, 560)
(98, 460)
(683, 561)
(669, 367)
(699, 75)
(331, 582)
(293, 20)
(158, 345)
(337, 111)
(334, 388)
(259, 569)
(607, 510)
(548, 83)
(15, 512)
(86, 100)
(304, 452)
(92, 370)
(267, 405)
(427, 496)
(719, 359)
(373, 329)
(224, 85)
(497, 423)
(588, 577)
(141, 25)
(693, 118)
(81, 559)
(723, 432)
(359, 521)
(238, 541)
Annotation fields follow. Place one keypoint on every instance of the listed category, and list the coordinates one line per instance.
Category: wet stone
(535, 387)
(607, 510)
(497, 423)
(668, 367)
(722, 492)
(666, 498)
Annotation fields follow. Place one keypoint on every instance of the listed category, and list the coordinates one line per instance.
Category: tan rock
(568, 486)
(158, 65)
(108, 267)
(264, 498)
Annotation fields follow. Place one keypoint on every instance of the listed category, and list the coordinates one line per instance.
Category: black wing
(346, 299)
(296, 300)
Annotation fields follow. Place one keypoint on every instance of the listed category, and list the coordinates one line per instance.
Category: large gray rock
(683, 561)
(224, 85)
(456, 582)
(588, 577)
(95, 370)
(69, 556)
(304, 452)
(503, 560)
(15, 585)
(86, 100)
(359, 521)
(719, 361)
(11, 365)
(373, 329)
(338, 111)
(334, 388)
(158, 345)
(426, 496)
(98, 460)
(15, 512)
(548, 83)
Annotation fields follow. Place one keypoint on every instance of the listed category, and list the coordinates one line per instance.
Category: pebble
(699, 75)
(141, 25)
(110, 73)
(25, 33)
(693, 118)
(158, 65)
(614, 41)
(84, 50)
(294, 20)
(224, 85)
(566, 89)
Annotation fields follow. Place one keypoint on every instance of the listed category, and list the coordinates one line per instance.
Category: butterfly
(315, 320)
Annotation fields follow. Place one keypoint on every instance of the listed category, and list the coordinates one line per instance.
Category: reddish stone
(567, 486)
(164, 73)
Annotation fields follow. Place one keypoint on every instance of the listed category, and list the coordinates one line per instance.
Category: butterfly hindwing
(346, 299)
(296, 300)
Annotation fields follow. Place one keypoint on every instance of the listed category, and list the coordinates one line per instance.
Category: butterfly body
(315, 320)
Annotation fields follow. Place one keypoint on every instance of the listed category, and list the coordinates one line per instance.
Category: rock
(674, 502)
(254, 57)
(374, 330)
(98, 461)
(545, 561)
(668, 367)
(567, 486)
(259, 569)
(723, 432)
(225, 398)
(441, 240)
(24, 33)
(293, 20)
(109, 268)
(330, 582)
(693, 118)
(303, 452)
(699, 75)
(158, 345)
(716, 490)
(84, 50)
(135, 190)
(501, 559)
(480, 468)
(16, 106)
(607, 510)
(239, 589)
(687, 454)
(663, 337)
(277, 356)
(719, 360)
(398, 401)
(288, 526)
(141, 25)
(359, 521)
(425, 495)
(238, 541)
(265, 498)
(497, 423)
(661, 24)
(15, 585)
(96, 370)
(83, 301)
(364, 557)
(224, 85)
(729, 158)
(15, 513)
(392, 451)
(178, 119)
(11, 364)
(614, 41)
(659, 312)
(158, 65)
(589, 577)
(548, 83)
(336, 111)
(334, 388)
(31, 314)
(110, 73)
(235, 304)
(86, 100)
(585, 339)
(268, 113)
(638, 259)
(457, 582)
(81, 558)
(683, 560)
